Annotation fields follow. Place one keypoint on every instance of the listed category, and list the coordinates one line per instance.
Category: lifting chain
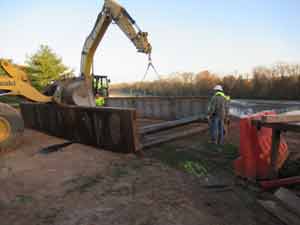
(150, 65)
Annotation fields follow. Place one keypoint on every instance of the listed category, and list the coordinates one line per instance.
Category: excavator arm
(112, 12)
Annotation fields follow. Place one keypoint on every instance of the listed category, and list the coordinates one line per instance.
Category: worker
(217, 113)
(100, 101)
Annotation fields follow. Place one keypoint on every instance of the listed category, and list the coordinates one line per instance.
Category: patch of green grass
(199, 159)
(231, 151)
(195, 168)
(23, 199)
(183, 160)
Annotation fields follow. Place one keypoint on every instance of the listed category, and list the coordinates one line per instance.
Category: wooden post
(275, 151)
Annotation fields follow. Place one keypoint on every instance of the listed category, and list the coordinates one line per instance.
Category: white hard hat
(218, 88)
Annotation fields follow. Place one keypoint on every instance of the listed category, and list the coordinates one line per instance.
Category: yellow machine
(16, 82)
(74, 91)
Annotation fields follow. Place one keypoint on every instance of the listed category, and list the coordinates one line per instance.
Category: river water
(241, 108)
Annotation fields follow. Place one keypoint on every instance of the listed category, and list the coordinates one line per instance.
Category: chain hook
(149, 59)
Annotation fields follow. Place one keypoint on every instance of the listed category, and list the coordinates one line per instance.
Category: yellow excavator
(72, 91)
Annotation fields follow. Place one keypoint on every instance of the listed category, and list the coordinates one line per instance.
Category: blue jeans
(216, 126)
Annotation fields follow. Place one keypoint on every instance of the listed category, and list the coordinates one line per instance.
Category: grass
(198, 160)
(195, 168)
(23, 199)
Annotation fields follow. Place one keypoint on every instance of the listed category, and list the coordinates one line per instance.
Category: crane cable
(150, 65)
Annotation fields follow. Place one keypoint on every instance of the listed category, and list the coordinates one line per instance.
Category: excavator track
(11, 128)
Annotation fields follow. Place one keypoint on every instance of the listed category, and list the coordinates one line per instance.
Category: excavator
(72, 91)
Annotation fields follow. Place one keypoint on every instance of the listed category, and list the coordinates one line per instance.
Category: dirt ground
(185, 182)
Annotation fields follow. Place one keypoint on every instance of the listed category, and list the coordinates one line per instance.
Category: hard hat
(218, 88)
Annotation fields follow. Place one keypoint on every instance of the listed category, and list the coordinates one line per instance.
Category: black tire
(10, 137)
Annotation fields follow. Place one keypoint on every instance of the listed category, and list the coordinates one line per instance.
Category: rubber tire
(16, 124)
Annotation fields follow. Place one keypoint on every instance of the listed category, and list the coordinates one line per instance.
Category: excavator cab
(101, 85)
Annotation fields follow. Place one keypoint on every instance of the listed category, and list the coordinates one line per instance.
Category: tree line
(280, 81)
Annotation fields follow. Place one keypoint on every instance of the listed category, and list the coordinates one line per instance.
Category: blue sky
(219, 35)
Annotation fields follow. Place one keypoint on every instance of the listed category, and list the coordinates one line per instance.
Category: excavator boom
(111, 12)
